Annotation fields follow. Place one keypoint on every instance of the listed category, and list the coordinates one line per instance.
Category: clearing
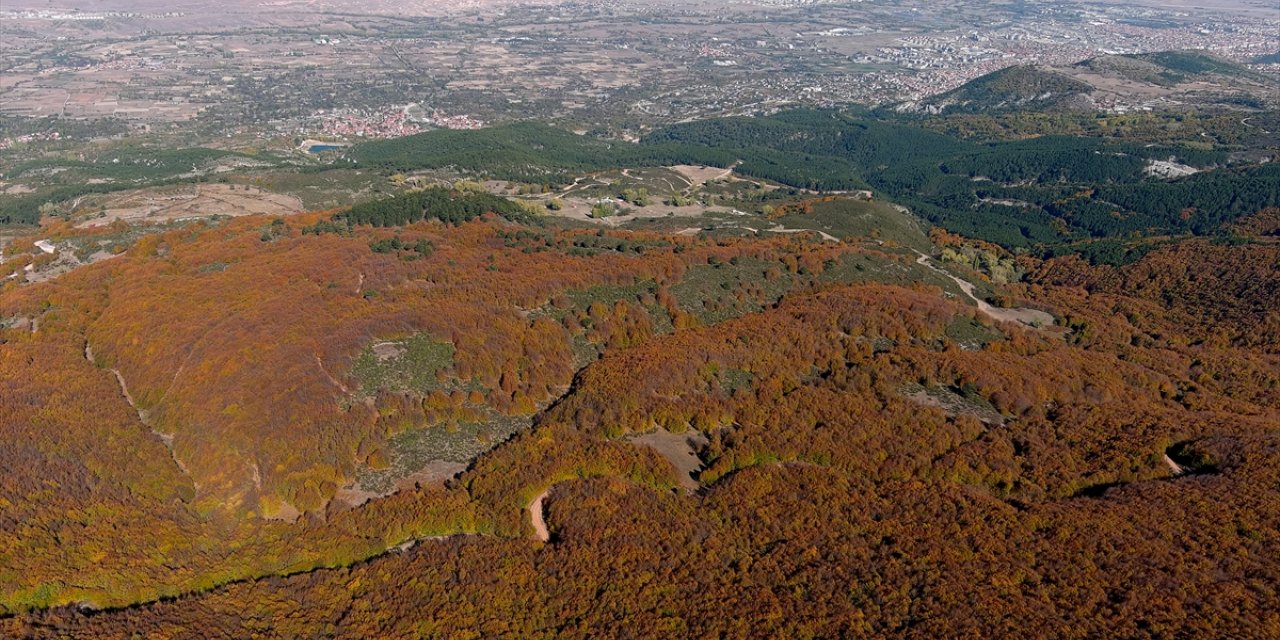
(699, 176)
(181, 202)
(680, 449)
(433, 474)
(1029, 317)
(954, 404)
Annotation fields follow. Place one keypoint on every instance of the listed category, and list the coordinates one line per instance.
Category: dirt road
(535, 515)
(1029, 317)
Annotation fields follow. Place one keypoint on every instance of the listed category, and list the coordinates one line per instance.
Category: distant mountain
(1166, 79)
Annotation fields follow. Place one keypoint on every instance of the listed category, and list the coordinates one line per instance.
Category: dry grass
(164, 204)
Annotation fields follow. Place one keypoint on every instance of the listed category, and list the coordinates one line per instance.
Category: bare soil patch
(680, 449)
(385, 351)
(164, 204)
(285, 512)
(699, 176)
(952, 404)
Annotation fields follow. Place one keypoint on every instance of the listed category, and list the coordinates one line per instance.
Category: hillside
(1035, 193)
(639, 320)
(884, 466)
(1017, 87)
(1173, 68)
(1176, 80)
(572, 387)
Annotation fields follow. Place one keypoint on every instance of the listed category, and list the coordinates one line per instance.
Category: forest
(1058, 189)
(981, 372)
(191, 421)
(435, 204)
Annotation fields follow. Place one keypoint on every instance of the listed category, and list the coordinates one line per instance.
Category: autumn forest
(812, 375)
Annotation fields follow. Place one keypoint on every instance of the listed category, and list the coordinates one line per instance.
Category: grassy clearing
(322, 190)
(971, 334)
(411, 365)
(717, 292)
(848, 218)
(954, 401)
(86, 246)
(609, 294)
(733, 379)
(413, 450)
(861, 267)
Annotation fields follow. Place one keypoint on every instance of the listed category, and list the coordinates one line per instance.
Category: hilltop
(1017, 87)
(1170, 79)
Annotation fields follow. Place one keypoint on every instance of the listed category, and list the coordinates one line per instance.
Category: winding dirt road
(535, 515)
(1029, 317)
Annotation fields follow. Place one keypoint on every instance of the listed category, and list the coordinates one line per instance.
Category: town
(623, 68)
